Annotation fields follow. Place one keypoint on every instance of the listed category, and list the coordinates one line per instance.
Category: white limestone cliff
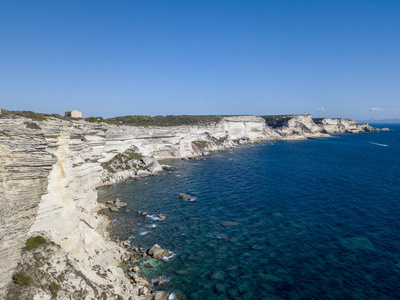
(50, 171)
(300, 127)
(344, 126)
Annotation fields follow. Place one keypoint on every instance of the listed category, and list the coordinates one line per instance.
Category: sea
(309, 219)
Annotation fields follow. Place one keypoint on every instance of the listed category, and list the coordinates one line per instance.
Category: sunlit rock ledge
(50, 170)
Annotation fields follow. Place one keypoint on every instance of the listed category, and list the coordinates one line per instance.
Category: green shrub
(222, 140)
(119, 297)
(34, 242)
(32, 125)
(54, 288)
(21, 279)
(94, 119)
(31, 115)
(140, 167)
(4, 133)
(134, 155)
(201, 144)
(108, 167)
(276, 121)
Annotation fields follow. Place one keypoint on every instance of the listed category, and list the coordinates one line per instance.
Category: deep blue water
(313, 219)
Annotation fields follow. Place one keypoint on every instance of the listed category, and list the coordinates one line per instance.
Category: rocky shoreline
(51, 170)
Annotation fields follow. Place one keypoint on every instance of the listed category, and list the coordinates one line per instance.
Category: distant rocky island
(53, 241)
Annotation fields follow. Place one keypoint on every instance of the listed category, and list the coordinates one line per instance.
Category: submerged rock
(148, 233)
(181, 272)
(228, 223)
(220, 288)
(357, 243)
(218, 275)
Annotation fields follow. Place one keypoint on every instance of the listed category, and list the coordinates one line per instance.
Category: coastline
(193, 227)
(68, 158)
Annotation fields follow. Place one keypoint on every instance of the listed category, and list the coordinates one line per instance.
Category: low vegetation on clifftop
(158, 121)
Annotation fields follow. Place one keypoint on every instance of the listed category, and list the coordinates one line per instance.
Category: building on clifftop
(73, 114)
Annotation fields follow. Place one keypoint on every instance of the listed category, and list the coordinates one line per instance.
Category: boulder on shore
(116, 205)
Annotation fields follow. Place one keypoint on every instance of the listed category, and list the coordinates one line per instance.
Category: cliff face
(50, 171)
(49, 174)
(25, 165)
(344, 126)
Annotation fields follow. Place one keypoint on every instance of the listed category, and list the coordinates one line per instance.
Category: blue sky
(110, 58)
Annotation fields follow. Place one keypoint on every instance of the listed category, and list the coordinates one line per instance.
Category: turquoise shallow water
(313, 219)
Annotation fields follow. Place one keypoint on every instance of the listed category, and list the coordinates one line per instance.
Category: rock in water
(161, 282)
(157, 252)
(167, 167)
(229, 223)
(159, 295)
(118, 203)
(152, 164)
(181, 272)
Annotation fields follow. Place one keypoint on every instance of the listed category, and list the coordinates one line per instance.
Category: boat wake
(382, 145)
